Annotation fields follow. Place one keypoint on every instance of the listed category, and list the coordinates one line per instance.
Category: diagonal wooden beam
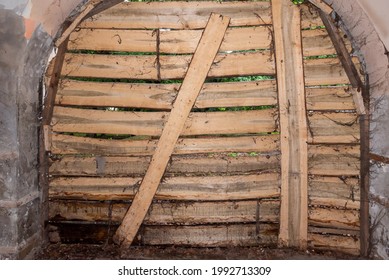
(198, 70)
(322, 6)
(293, 123)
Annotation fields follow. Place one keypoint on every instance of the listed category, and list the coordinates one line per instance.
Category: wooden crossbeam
(199, 67)
(293, 122)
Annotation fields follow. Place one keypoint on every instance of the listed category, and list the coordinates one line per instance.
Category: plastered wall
(27, 28)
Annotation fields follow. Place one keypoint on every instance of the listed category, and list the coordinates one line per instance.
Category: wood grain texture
(179, 15)
(170, 41)
(334, 192)
(161, 96)
(293, 124)
(333, 128)
(143, 67)
(334, 218)
(169, 213)
(334, 160)
(346, 244)
(72, 145)
(92, 166)
(329, 98)
(151, 123)
(172, 188)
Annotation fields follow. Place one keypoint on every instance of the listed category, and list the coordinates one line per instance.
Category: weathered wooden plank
(89, 6)
(163, 213)
(333, 128)
(334, 231)
(316, 42)
(329, 98)
(334, 160)
(161, 96)
(310, 18)
(132, 166)
(345, 244)
(334, 192)
(68, 145)
(334, 218)
(151, 123)
(172, 188)
(171, 67)
(325, 71)
(293, 123)
(228, 235)
(211, 236)
(179, 15)
(195, 77)
(170, 41)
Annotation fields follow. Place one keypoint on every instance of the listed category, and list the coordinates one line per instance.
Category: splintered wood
(199, 67)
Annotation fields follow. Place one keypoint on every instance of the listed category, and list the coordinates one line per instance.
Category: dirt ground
(112, 252)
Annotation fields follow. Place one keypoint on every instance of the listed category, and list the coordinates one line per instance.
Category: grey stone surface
(8, 229)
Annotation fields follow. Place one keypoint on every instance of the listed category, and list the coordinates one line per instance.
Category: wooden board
(346, 244)
(293, 124)
(179, 15)
(333, 128)
(229, 235)
(172, 188)
(310, 18)
(161, 96)
(151, 123)
(334, 192)
(130, 166)
(334, 160)
(316, 42)
(329, 98)
(163, 213)
(325, 71)
(68, 145)
(334, 218)
(170, 41)
(144, 67)
(211, 236)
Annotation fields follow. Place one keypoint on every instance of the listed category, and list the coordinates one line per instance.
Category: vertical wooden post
(197, 72)
(294, 132)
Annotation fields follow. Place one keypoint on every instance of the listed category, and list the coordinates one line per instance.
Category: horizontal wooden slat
(170, 41)
(144, 67)
(345, 244)
(334, 160)
(162, 213)
(310, 18)
(129, 166)
(325, 71)
(65, 144)
(174, 188)
(161, 96)
(227, 235)
(333, 128)
(334, 231)
(334, 218)
(179, 15)
(212, 236)
(334, 192)
(151, 123)
(329, 98)
(317, 42)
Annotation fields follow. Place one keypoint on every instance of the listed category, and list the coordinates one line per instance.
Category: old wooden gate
(269, 153)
